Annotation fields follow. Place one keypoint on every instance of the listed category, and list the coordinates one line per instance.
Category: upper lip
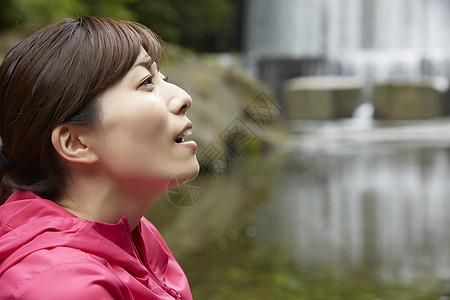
(182, 134)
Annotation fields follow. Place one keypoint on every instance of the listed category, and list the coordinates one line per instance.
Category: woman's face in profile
(140, 133)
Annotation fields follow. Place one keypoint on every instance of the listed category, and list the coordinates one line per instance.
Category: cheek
(138, 120)
(131, 134)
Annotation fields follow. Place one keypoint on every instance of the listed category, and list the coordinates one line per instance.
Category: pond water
(374, 197)
(344, 210)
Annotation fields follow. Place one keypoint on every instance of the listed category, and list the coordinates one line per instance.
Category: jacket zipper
(172, 292)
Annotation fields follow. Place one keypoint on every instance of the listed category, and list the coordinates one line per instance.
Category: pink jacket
(48, 253)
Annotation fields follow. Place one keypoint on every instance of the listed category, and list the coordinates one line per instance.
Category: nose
(180, 101)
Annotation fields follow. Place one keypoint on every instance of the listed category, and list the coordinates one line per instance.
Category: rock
(220, 94)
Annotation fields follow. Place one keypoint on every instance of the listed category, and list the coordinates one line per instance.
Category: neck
(99, 199)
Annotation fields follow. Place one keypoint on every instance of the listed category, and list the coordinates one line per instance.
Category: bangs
(116, 45)
(149, 41)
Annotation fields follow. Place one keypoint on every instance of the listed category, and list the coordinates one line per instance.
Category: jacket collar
(30, 223)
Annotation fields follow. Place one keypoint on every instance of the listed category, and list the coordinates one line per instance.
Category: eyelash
(150, 78)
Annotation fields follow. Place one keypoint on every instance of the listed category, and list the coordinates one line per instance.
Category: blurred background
(324, 142)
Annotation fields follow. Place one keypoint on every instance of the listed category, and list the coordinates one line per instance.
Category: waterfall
(377, 40)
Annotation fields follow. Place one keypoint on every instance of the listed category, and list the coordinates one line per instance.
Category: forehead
(144, 60)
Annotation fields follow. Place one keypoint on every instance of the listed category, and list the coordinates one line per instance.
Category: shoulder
(61, 273)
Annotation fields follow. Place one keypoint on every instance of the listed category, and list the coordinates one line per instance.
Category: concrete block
(410, 101)
(321, 97)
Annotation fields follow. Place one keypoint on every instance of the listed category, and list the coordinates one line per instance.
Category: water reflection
(374, 199)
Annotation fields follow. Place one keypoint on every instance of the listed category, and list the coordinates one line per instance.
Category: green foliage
(208, 25)
(111, 8)
(202, 25)
(38, 13)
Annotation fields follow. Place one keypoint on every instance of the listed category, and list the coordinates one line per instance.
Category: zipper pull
(172, 292)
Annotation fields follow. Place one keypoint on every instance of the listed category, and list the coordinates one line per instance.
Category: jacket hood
(29, 223)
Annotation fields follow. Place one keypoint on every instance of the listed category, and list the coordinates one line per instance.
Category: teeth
(187, 132)
(182, 135)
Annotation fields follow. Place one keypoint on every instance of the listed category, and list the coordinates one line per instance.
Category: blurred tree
(38, 13)
(111, 8)
(202, 25)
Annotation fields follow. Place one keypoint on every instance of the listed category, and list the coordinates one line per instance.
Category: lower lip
(189, 144)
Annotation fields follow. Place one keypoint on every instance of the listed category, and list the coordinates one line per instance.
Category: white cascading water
(380, 40)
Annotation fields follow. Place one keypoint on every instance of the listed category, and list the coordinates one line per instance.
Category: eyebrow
(146, 62)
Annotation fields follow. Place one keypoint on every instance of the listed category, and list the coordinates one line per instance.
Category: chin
(184, 177)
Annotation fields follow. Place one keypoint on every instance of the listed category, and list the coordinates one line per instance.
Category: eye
(147, 81)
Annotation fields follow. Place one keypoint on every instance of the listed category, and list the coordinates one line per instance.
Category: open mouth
(181, 136)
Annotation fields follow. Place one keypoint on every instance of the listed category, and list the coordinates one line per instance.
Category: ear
(71, 143)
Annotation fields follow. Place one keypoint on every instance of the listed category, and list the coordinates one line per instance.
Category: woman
(91, 133)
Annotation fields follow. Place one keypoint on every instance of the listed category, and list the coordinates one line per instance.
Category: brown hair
(53, 77)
